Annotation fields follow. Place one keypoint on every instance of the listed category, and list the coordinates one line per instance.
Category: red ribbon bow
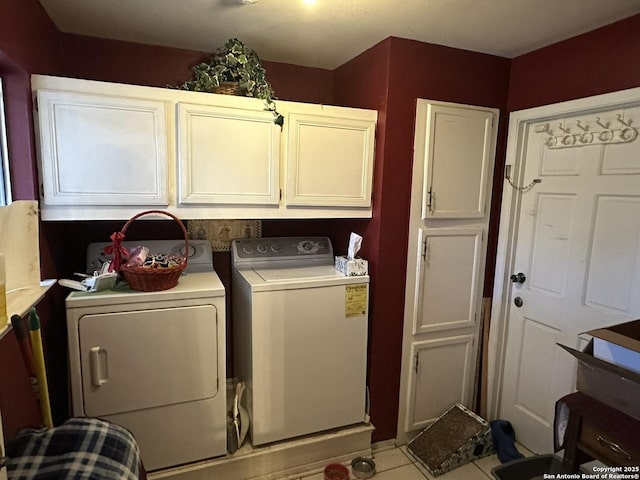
(116, 249)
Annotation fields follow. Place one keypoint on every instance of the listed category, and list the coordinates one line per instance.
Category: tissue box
(355, 266)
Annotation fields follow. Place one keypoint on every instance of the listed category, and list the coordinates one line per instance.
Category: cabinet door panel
(101, 150)
(227, 156)
(442, 376)
(448, 279)
(330, 161)
(459, 150)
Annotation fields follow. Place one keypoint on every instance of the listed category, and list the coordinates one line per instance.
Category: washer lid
(190, 286)
(263, 279)
(284, 274)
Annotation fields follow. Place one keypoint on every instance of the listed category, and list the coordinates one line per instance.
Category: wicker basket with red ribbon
(148, 278)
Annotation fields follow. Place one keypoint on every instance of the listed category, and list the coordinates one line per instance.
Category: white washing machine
(154, 362)
(300, 337)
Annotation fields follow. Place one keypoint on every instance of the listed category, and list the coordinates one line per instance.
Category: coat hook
(603, 125)
(565, 130)
(619, 118)
(582, 127)
(542, 128)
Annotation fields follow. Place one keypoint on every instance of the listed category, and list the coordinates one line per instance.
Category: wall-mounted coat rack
(595, 132)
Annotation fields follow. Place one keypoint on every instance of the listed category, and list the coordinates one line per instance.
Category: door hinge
(430, 203)
(416, 362)
(280, 194)
(424, 249)
(35, 103)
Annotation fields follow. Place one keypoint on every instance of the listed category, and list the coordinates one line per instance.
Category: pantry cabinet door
(459, 155)
(330, 160)
(227, 156)
(446, 258)
(442, 376)
(448, 279)
(102, 150)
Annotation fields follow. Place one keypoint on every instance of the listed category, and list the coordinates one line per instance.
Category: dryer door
(148, 358)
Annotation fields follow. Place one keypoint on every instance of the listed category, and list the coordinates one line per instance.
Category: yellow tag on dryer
(355, 302)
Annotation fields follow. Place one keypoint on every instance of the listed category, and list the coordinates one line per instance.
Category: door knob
(518, 277)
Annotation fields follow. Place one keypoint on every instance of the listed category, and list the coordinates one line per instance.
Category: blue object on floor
(504, 438)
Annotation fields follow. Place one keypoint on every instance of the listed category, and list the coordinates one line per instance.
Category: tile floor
(396, 464)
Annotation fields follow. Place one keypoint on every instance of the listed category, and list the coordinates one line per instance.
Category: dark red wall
(125, 62)
(28, 41)
(601, 61)
(388, 77)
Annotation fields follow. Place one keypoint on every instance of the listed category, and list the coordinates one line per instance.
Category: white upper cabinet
(227, 156)
(102, 150)
(108, 150)
(330, 157)
(459, 154)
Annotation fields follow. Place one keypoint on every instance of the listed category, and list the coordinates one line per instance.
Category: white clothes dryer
(154, 362)
(300, 337)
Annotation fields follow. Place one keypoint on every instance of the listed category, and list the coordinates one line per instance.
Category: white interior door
(576, 238)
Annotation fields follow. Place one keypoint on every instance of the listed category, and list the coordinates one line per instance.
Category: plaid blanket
(80, 448)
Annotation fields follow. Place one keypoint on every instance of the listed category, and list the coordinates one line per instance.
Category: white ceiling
(331, 32)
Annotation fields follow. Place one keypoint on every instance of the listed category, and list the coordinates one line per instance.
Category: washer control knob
(276, 248)
(307, 246)
(262, 248)
(247, 249)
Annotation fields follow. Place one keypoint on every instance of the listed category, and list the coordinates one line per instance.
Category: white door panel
(577, 240)
(329, 161)
(448, 278)
(441, 377)
(217, 165)
(459, 156)
(102, 150)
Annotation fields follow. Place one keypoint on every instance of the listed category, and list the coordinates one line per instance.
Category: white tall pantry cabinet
(109, 150)
(454, 153)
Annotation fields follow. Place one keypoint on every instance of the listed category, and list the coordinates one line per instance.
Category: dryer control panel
(282, 251)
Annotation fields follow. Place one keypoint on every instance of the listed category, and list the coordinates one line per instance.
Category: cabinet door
(102, 150)
(448, 279)
(442, 375)
(227, 156)
(459, 150)
(329, 161)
